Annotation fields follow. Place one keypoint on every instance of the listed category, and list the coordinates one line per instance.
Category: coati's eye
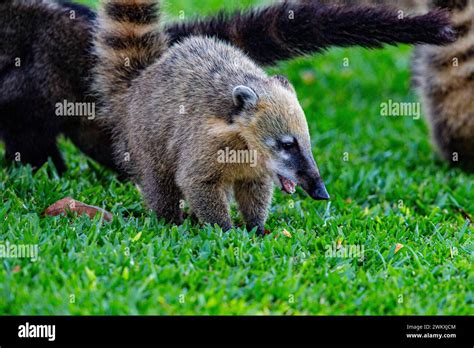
(288, 144)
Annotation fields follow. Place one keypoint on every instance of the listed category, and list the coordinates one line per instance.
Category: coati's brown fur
(53, 41)
(174, 109)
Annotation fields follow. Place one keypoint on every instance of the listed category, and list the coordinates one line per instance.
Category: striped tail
(290, 29)
(128, 39)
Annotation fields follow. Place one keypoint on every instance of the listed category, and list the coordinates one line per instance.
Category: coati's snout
(296, 166)
(306, 172)
(276, 126)
(313, 185)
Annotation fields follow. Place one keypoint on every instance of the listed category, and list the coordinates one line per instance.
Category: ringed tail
(128, 39)
(288, 29)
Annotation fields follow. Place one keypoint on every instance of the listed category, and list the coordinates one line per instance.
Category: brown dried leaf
(308, 76)
(398, 247)
(69, 204)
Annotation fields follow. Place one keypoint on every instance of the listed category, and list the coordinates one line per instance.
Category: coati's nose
(313, 185)
(320, 193)
(310, 180)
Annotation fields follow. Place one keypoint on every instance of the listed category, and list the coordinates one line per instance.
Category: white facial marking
(287, 139)
(285, 156)
(270, 142)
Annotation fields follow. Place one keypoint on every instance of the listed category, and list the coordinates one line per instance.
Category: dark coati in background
(53, 44)
(444, 78)
(173, 110)
(44, 60)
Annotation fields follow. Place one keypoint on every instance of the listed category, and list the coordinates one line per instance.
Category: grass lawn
(387, 188)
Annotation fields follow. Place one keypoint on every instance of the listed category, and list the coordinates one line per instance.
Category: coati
(172, 109)
(53, 42)
(37, 70)
(444, 78)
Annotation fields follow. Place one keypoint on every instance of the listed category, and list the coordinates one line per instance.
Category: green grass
(392, 189)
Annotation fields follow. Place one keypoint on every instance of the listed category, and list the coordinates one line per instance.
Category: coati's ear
(244, 97)
(285, 82)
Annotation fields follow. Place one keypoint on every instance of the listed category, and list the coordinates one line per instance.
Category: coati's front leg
(208, 202)
(253, 199)
(162, 196)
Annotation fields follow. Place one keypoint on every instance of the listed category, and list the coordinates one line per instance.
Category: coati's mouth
(287, 185)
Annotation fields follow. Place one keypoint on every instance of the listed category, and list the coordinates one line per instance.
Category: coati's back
(197, 75)
(193, 97)
(445, 79)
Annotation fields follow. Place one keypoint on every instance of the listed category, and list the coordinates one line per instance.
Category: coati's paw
(175, 218)
(260, 231)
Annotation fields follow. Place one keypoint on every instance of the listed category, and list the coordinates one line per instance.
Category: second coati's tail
(289, 29)
(128, 39)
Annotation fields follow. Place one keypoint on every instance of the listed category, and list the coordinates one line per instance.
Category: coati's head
(272, 122)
